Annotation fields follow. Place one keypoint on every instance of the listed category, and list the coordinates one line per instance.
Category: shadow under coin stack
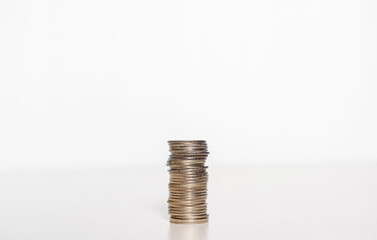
(188, 181)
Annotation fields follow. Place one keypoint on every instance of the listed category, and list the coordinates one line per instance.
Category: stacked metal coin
(188, 181)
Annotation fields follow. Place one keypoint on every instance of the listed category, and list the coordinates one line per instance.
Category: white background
(107, 83)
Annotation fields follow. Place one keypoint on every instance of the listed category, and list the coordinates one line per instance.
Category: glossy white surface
(258, 202)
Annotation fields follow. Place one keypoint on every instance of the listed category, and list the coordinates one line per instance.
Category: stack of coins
(188, 181)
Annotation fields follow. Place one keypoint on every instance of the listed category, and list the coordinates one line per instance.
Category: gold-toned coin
(178, 210)
(189, 187)
(183, 142)
(195, 172)
(189, 193)
(188, 179)
(179, 204)
(186, 199)
(189, 215)
(184, 162)
(187, 146)
(191, 218)
(189, 154)
(187, 208)
(186, 187)
(176, 221)
(187, 170)
(184, 180)
(202, 191)
(188, 173)
(189, 176)
(188, 220)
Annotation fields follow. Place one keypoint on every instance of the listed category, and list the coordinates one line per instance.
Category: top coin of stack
(188, 181)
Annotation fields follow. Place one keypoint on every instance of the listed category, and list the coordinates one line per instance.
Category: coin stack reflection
(188, 181)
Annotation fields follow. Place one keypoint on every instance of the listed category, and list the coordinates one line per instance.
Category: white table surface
(303, 202)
